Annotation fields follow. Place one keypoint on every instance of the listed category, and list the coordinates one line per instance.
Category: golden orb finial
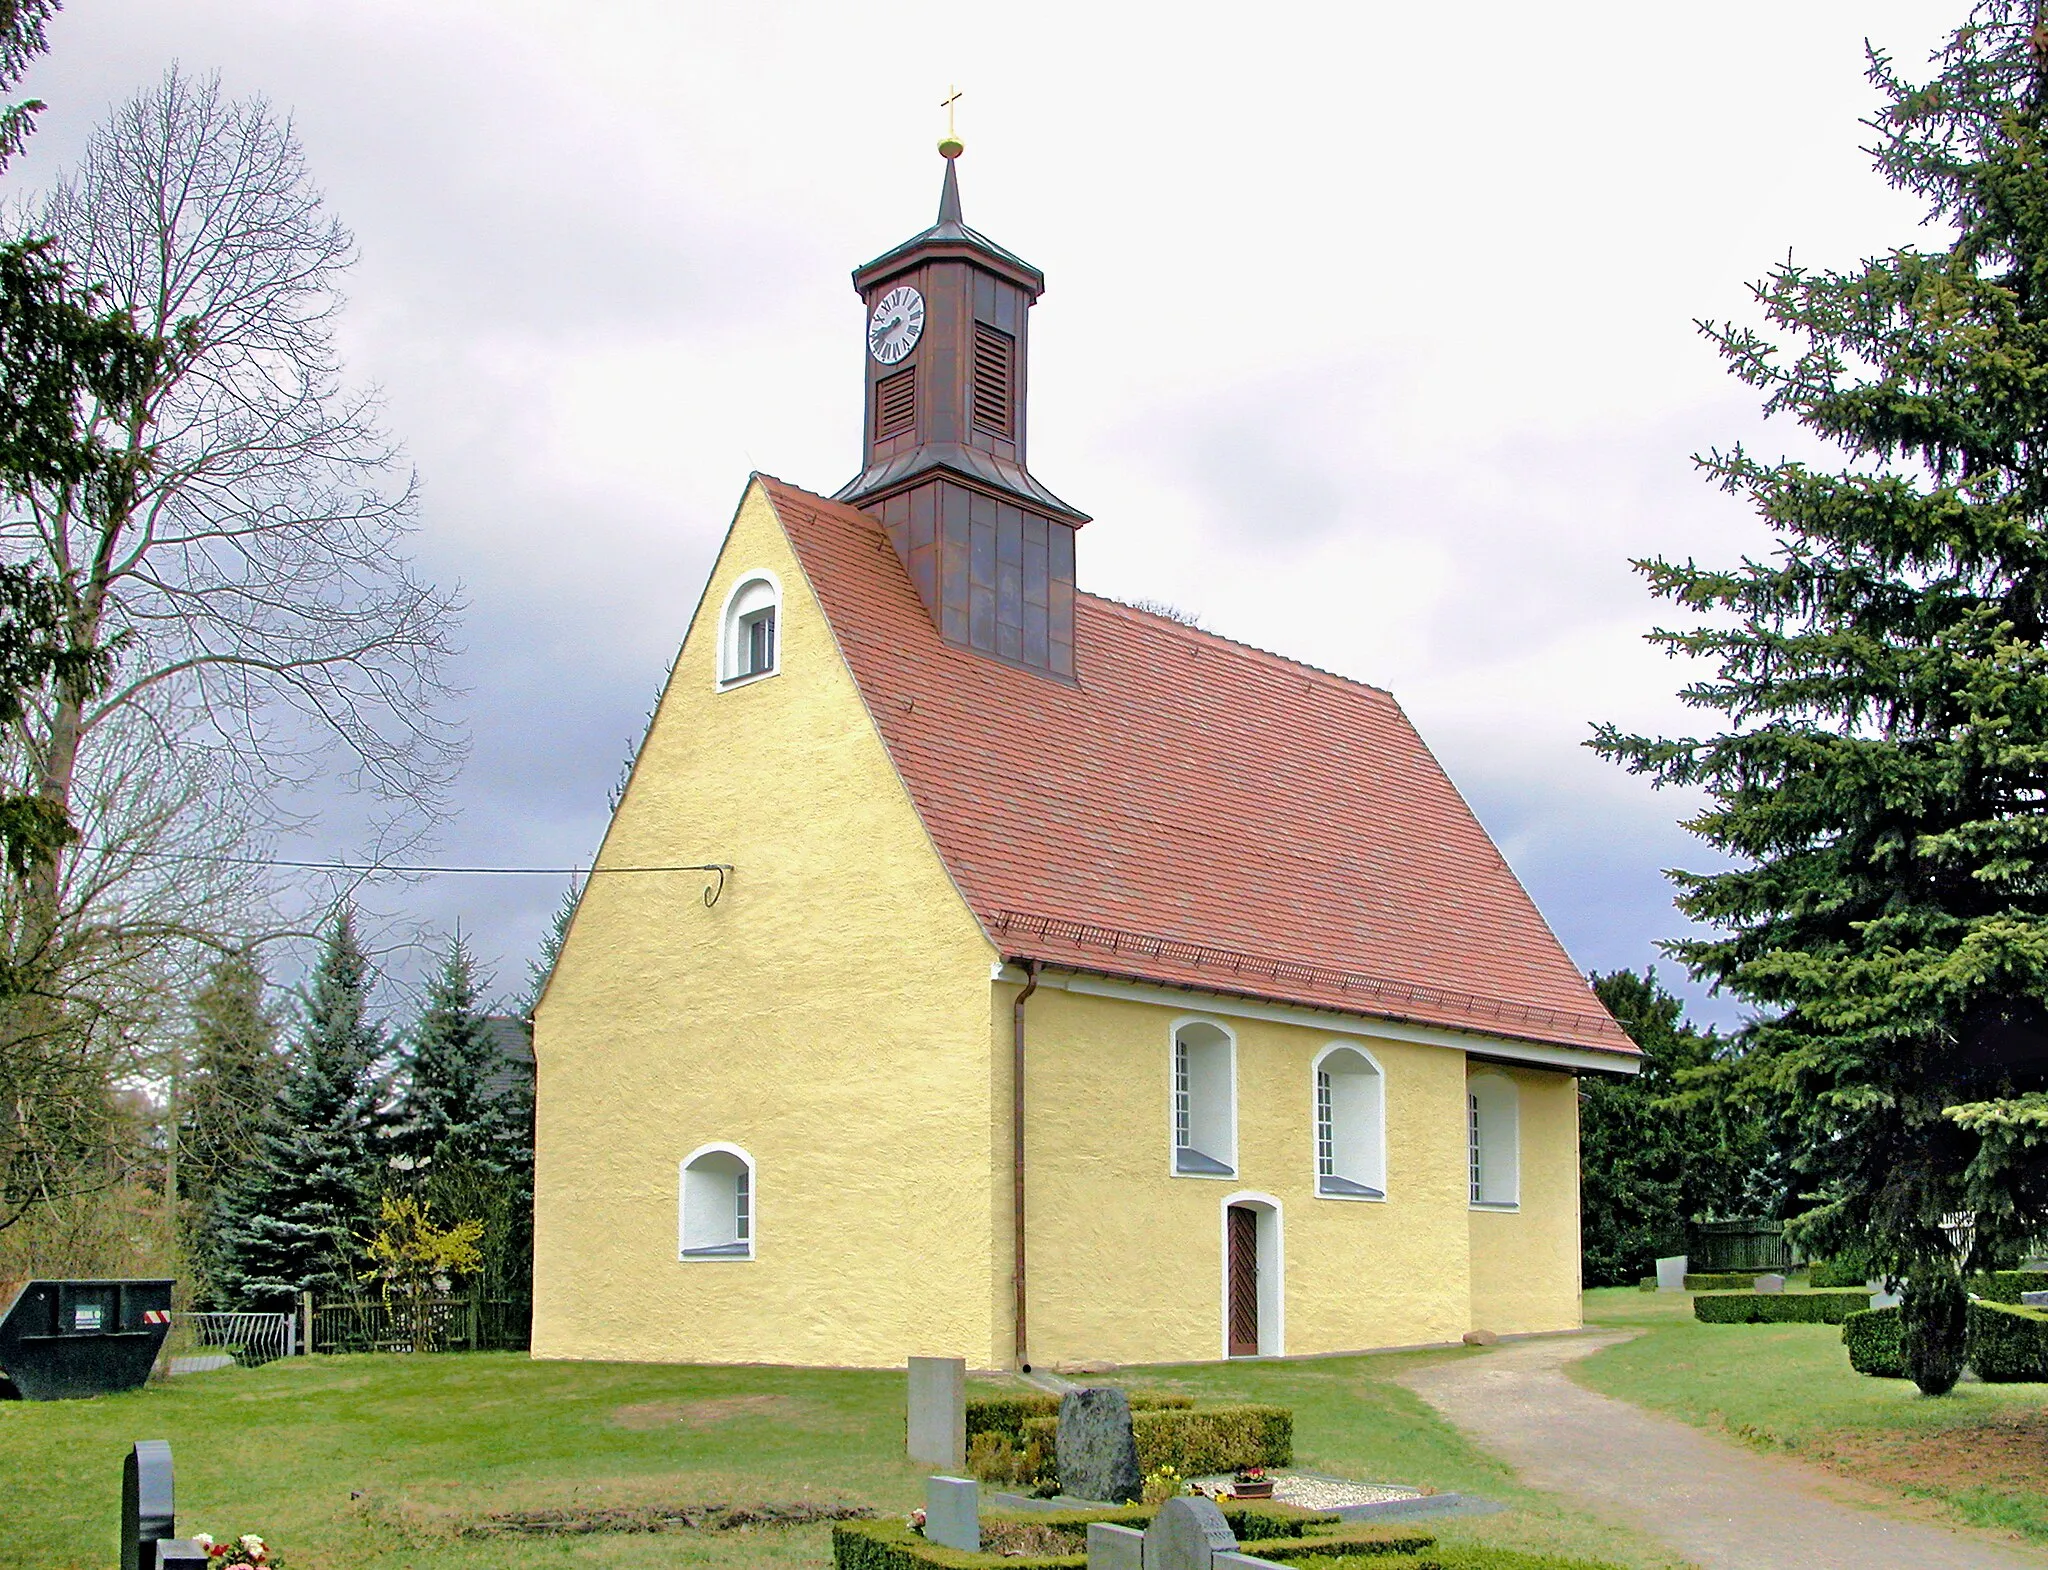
(950, 145)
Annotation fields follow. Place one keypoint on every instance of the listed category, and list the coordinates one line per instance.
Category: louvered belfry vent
(995, 358)
(895, 404)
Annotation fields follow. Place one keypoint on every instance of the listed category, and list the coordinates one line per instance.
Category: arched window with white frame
(1494, 1141)
(750, 630)
(715, 1218)
(1350, 1124)
(1204, 1101)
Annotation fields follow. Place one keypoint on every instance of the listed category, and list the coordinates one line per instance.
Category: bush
(1849, 1272)
(1008, 1414)
(1214, 1439)
(1722, 1280)
(1872, 1337)
(2008, 1345)
(891, 1545)
(1779, 1308)
(2005, 1286)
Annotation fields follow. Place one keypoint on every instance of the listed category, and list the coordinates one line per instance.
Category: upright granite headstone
(1671, 1274)
(1770, 1284)
(1097, 1454)
(938, 1411)
(2034, 1300)
(1185, 1533)
(1115, 1547)
(952, 1513)
(178, 1553)
(148, 1507)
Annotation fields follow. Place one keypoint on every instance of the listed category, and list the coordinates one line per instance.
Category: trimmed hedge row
(1193, 1441)
(891, 1545)
(1872, 1337)
(2005, 1286)
(1007, 1414)
(2009, 1345)
(1470, 1556)
(1779, 1308)
(1722, 1280)
(1837, 1273)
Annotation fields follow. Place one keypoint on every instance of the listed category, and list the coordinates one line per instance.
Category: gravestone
(1238, 1562)
(1671, 1273)
(2034, 1300)
(952, 1513)
(148, 1509)
(938, 1411)
(1770, 1284)
(1115, 1547)
(178, 1553)
(1185, 1534)
(1096, 1453)
(1880, 1298)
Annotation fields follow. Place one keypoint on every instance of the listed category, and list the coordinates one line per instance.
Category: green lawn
(382, 1462)
(1978, 1456)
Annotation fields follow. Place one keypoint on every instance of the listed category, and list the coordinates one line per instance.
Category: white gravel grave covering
(1312, 1492)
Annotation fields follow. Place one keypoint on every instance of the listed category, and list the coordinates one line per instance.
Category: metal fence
(250, 1339)
(428, 1324)
(1738, 1246)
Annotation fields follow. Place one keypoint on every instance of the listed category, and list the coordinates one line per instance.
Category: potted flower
(247, 1552)
(1251, 1482)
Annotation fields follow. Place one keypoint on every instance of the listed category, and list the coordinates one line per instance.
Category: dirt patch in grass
(658, 1518)
(2006, 1453)
(708, 1412)
(1030, 1537)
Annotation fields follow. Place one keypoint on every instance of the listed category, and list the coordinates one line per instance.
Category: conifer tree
(1881, 785)
(227, 1096)
(448, 1112)
(542, 965)
(291, 1223)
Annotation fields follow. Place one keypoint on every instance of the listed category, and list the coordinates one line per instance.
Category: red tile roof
(1194, 812)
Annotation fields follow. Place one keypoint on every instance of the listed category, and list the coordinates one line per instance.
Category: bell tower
(990, 550)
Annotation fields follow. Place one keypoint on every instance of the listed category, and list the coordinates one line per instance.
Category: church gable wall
(1126, 1260)
(1525, 1263)
(828, 1017)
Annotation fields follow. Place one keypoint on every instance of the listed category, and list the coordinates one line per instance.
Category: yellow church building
(1069, 983)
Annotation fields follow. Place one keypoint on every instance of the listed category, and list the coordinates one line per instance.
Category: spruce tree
(228, 1095)
(1881, 783)
(448, 1112)
(292, 1222)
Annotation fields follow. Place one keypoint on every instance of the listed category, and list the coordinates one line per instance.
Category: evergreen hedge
(1872, 1337)
(2008, 1345)
(1007, 1414)
(892, 1545)
(1192, 1440)
(1722, 1280)
(2005, 1286)
(1838, 1273)
(1779, 1308)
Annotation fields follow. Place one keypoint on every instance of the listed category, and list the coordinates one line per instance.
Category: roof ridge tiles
(1173, 625)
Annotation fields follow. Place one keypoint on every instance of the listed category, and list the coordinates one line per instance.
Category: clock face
(895, 327)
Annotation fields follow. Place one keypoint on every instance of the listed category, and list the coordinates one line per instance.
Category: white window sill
(727, 683)
(699, 1256)
(1498, 1206)
(1370, 1196)
(1199, 1165)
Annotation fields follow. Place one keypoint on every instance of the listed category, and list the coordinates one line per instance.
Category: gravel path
(1723, 1507)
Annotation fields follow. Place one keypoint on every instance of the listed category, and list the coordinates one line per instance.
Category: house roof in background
(1195, 812)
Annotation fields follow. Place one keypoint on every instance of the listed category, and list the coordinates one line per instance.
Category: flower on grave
(1250, 1474)
(203, 1541)
(917, 1522)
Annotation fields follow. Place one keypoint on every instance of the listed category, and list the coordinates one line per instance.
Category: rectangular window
(1326, 1144)
(895, 404)
(1478, 1184)
(1182, 1112)
(742, 1231)
(757, 643)
(995, 355)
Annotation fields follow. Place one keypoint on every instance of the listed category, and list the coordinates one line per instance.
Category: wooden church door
(1243, 1295)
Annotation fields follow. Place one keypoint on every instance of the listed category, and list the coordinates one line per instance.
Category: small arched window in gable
(1204, 1101)
(1351, 1157)
(750, 643)
(716, 1219)
(1493, 1115)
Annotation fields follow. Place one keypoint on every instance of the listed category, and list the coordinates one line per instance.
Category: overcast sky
(1368, 334)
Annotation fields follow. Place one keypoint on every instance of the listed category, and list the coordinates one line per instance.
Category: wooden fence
(1737, 1246)
(428, 1324)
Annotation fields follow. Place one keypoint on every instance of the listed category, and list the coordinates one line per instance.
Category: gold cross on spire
(950, 144)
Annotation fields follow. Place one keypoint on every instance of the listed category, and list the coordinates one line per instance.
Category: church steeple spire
(990, 549)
